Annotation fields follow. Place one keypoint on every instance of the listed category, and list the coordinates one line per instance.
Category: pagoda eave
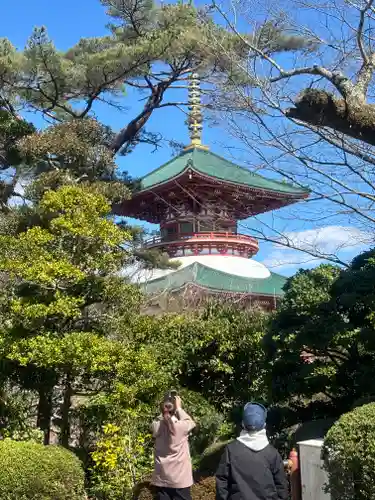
(191, 186)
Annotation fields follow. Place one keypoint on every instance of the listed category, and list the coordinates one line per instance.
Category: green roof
(216, 281)
(212, 165)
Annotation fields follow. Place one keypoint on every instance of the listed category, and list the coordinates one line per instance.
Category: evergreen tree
(321, 344)
(66, 314)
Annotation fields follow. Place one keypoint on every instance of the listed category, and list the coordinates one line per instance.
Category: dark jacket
(245, 474)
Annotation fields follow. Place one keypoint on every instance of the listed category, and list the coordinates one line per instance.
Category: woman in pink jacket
(173, 475)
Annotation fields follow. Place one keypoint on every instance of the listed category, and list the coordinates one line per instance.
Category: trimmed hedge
(350, 455)
(204, 489)
(31, 471)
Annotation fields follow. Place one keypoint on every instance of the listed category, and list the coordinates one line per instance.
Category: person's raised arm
(223, 476)
(184, 420)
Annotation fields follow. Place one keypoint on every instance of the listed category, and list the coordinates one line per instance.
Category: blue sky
(71, 20)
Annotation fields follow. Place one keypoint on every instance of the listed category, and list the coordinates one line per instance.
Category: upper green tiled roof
(215, 166)
(217, 281)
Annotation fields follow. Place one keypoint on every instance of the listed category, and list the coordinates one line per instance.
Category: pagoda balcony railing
(201, 237)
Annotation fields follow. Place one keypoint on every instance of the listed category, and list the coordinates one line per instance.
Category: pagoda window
(206, 226)
(169, 232)
(186, 227)
(220, 228)
(225, 228)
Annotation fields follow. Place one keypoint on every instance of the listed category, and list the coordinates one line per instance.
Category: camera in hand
(169, 401)
(170, 397)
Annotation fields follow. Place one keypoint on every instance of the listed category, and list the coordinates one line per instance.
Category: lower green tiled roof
(216, 281)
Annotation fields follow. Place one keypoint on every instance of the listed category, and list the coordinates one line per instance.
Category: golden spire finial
(195, 117)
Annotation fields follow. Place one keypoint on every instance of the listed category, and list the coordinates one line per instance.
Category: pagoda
(199, 200)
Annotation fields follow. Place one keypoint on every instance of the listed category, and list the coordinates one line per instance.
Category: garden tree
(309, 118)
(141, 34)
(149, 48)
(65, 313)
(226, 364)
(353, 295)
(354, 290)
(344, 106)
(290, 343)
(321, 343)
(216, 351)
(74, 152)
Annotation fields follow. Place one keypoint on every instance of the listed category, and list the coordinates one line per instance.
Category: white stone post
(313, 477)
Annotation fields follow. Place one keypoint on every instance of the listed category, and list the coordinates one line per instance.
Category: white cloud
(329, 239)
(288, 259)
(343, 242)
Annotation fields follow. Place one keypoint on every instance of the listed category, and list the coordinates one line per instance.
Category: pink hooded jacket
(172, 455)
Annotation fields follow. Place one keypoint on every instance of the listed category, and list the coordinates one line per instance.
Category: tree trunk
(65, 412)
(45, 411)
(132, 129)
(353, 117)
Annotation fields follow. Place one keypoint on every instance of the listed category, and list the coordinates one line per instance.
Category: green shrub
(210, 458)
(204, 489)
(31, 471)
(211, 425)
(123, 456)
(350, 455)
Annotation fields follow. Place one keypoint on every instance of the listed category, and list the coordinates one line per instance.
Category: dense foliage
(216, 351)
(122, 458)
(31, 471)
(321, 341)
(350, 455)
(63, 305)
(147, 47)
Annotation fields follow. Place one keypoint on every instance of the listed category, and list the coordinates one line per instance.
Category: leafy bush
(210, 459)
(31, 471)
(211, 424)
(17, 419)
(123, 456)
(224, 355)
(350, 455)
(204, 489)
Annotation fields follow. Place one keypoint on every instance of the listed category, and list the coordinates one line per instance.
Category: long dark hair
(168, 408)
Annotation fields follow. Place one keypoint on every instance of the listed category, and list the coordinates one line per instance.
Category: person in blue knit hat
(250, 467)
